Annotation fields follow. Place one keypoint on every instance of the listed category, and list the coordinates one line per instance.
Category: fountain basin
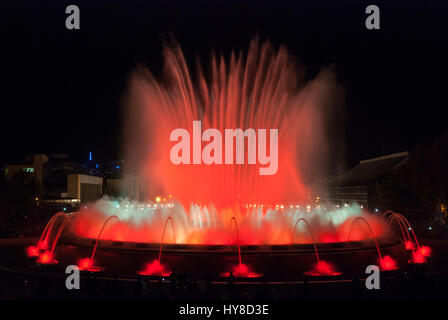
(273, 262)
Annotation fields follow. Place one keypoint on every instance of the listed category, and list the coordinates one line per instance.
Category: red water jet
(46, 257)
(323, 268)
(421, 255)
(418, 258)
(154, 268)
(387, 264)
(87, 264)
(241, 271)
(425, 251)
(32, 251)
(409, 245)
(263, 89)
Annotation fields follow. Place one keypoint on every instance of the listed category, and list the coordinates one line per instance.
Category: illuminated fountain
(156, 268)
(87, 264)
(146, 223)
(321, 268)
(241, 270)
(271, 214)
(420, 253)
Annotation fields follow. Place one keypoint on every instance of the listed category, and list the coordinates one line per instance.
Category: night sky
(62, 89)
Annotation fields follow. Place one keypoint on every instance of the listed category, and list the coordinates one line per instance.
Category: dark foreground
(21, 279)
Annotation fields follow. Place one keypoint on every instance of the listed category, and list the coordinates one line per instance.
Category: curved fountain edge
(347, 246)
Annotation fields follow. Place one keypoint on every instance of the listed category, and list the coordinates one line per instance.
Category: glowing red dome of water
(421, 254)
(32, 251)
(388, 264)
(46, 258)
(155, 268)
(241, 271)
(409, 245)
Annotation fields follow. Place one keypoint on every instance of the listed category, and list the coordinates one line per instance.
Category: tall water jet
(261, 90)
(252, 98)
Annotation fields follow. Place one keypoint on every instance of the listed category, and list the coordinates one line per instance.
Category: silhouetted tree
(419, 187)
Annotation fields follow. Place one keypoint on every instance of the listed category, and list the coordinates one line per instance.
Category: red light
(323, 268)
(329, 238)
(154, 269)
(42, 245)
(242, 271)
(420, 255)
(388, 264)
(32, 251)
(85, 264)
(409, 245)
(425, 251)
(46, 258)
(417, 257)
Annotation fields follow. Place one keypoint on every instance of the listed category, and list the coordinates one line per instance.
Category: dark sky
(61, 89)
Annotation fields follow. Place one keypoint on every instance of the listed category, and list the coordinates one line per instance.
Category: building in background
(358, 184)
(33, 165)
(84, 188)
(66, 183)
(57, 170)
(127, 186)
